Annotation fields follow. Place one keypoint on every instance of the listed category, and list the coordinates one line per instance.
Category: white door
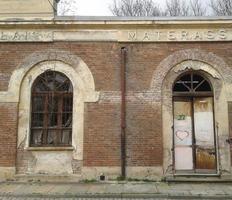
(194, 138)
(183, 134)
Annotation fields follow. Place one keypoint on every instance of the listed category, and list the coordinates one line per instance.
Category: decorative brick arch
(189, 55)
(78, 65)
(68, 161)
(219, 74)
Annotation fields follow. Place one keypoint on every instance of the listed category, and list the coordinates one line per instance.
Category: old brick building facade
(174, 70)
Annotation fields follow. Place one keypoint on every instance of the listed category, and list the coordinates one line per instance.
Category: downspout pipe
(123, 111)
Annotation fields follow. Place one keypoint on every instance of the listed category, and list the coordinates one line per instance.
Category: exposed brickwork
(144, 135)
(102, 59)
(102, 135)
(144, 59)
(102, 119)
(8, 127)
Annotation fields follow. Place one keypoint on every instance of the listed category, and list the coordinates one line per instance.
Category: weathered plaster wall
(30, 9)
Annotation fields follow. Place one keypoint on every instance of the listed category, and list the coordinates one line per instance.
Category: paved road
(73, 198)
(95, 198)
(33, 198)
(105, 191)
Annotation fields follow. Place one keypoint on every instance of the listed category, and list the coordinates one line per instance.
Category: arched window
(51, 110)
(192, 84)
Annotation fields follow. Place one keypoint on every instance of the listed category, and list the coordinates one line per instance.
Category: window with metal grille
(51, 110)
(192, 83)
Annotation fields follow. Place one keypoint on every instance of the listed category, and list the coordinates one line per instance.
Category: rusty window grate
(192, 84)
(52, 110)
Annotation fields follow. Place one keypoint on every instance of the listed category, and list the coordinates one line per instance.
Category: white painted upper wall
(26, 9)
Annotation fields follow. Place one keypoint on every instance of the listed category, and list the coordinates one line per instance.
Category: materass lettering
(176, 35)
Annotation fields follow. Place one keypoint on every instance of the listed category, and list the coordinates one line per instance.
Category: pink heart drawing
(182, 134)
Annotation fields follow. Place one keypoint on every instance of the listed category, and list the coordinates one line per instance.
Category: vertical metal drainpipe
(123, 111)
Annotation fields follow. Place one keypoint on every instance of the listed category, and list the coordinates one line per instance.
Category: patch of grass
(120, 178)
(89, 181)
(163, 179)
(133, 180)
(140, 180)
(148, 180)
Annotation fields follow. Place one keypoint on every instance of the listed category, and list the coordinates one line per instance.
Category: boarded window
(51, 114)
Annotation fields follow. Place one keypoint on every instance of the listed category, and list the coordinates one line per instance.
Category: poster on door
(203, 120)
(183, 135)
(183, 123)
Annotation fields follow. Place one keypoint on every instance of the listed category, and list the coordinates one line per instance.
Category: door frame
(195, 171)
(219, 85)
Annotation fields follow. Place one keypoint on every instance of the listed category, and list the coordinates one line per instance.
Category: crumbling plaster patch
(145, 173)
(7, 173)
(142, 173)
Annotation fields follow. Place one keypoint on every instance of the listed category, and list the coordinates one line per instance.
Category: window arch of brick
(216, 81)
(51, 110)
(83, 92)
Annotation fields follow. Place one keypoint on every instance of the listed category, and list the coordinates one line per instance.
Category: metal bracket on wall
(229, 141)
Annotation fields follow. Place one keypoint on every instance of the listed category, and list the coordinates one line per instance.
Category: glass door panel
(183, 134)
(204, 133)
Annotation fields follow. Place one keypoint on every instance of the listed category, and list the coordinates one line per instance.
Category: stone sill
(50, 148)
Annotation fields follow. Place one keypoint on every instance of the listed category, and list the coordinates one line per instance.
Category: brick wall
(8, 129)
(102, 134)
(102, 119)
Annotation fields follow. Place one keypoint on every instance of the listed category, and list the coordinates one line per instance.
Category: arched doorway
(194, 134)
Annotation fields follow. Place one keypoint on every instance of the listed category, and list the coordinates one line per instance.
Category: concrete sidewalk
(129, 190)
